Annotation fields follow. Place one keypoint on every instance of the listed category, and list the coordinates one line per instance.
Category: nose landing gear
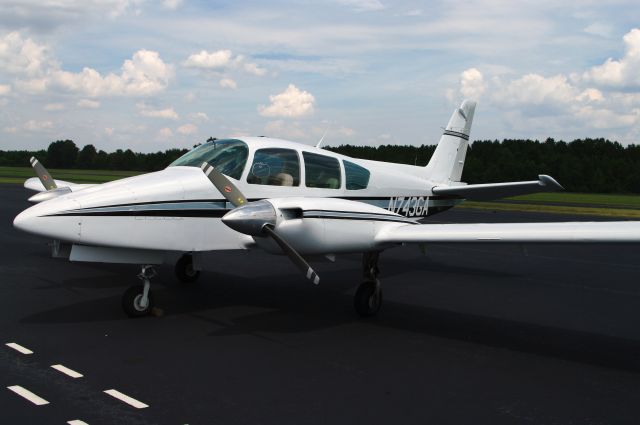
(137, 301)
(368, 298)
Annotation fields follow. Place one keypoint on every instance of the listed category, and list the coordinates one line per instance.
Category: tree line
(65, 154)
(583, 165)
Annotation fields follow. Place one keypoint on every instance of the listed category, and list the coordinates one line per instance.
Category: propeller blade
(293, 255)
(224, 185)
(42, 173)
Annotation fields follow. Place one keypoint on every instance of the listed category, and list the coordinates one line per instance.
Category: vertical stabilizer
(448, 159)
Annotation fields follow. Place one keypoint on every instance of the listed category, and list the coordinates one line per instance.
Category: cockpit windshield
(227, 156)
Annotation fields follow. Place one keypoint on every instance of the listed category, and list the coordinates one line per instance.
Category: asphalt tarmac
(468, 334)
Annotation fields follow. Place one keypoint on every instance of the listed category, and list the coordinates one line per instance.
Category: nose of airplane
(23, 220)
(42, 220)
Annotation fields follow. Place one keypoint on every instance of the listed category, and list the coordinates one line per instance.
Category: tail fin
(43, 174)
(448, 159)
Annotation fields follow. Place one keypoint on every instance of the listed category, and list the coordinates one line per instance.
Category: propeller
(255, 219)
(42, 173)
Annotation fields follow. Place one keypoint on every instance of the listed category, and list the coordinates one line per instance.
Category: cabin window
(321, 171)
(276, 167)
(356, 177)
(228, 156)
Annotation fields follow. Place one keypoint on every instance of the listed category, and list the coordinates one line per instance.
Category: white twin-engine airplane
(282, 197)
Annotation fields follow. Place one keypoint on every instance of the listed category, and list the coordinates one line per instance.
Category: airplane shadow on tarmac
(286, 305)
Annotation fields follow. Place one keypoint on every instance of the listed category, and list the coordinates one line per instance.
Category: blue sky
(152, 75)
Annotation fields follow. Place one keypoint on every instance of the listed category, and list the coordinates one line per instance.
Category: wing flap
(572, 232)
(489, 191)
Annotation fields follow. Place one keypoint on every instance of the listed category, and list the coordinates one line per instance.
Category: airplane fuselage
(177, 209)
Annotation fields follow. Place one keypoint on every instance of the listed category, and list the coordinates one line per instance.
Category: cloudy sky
(150, 75)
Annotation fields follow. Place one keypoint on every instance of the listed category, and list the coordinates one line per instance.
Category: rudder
(447, 161)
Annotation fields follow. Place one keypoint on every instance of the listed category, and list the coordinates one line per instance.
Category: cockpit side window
(228, 156)
(321, 171)
(275, 167)
(356, 177)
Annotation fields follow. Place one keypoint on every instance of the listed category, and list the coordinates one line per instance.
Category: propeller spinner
(257, 219)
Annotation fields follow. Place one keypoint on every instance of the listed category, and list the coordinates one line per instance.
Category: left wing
(489, 191)
(33, 183)
(47, 186)
(572, 232)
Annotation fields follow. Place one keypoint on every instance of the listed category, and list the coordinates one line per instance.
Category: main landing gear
(185, 270)
(137, 301)
(368, 297)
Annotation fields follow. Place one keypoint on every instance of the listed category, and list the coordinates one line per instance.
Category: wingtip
(549, 181)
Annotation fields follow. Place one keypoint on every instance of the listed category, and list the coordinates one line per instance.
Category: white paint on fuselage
(190, 183)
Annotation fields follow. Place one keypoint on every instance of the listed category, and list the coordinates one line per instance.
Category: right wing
(571, 232)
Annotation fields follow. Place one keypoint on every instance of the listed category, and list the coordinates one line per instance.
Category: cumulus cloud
(624, 72)
(187, 129)
(23, 56)
(88, 104)
(37, 71)
(144, 74)
(602, 97)
(209, 60)
(221, 61)
(472, 83)
(228, 83)
(291, 103)
(165, 113)
(535, 89)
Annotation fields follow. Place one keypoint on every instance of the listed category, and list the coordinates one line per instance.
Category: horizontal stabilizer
(489, 191)
(572, 232)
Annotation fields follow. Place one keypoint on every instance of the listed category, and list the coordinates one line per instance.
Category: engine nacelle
(314, 225)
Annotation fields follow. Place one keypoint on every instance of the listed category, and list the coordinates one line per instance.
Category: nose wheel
(137, 301)
(368, 297)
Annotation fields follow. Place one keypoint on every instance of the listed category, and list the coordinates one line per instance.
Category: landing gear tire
(185, 271)
(131, 302)
(368, 299)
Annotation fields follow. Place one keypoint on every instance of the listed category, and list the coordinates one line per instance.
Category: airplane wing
(489, 191)
(36, 185)
(572, 232)
(46, 186)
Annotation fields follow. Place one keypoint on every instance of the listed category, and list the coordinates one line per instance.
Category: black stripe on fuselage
(205, 212)
(456, 134)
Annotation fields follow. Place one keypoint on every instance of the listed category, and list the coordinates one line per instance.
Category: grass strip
(553, 209)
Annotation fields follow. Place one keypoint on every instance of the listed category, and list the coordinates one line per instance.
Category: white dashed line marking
(19, 348)
(67, 371)
(123, 397)
(77, 422)
(23, 392)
